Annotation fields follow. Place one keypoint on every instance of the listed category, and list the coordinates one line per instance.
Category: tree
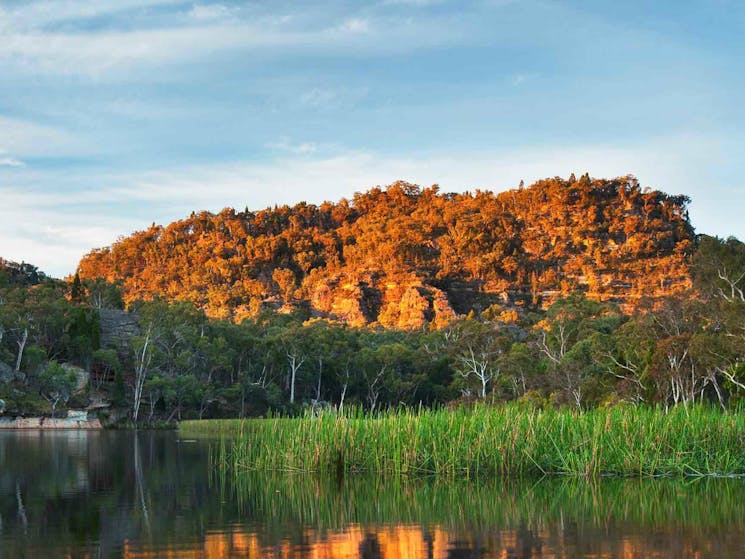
(521, 367)
(292, 344)
(477, 349)
(625, 355)
(566, 336)
(719, 268)
(57, 384)
(102, 294)
(143, 351)
(285, 280)
(76, 290)
(186, 390)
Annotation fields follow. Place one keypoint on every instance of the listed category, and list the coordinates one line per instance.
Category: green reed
(502, 441)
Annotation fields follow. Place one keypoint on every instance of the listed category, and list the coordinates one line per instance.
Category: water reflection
(121, 494)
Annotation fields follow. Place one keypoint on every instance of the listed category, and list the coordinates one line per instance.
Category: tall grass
(490, 441)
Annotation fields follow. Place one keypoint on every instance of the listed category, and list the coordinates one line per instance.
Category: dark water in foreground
(121, 494)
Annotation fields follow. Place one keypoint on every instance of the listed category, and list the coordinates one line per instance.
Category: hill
(404, 256)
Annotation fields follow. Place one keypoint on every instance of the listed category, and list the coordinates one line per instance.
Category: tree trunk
(343, 394)
(141, 374)
(295, 364)
(320, 374)
(21, 346)
(152, 409)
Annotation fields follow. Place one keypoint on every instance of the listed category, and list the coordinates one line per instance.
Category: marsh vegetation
(502, 441)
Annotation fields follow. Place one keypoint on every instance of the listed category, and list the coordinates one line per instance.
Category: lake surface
(152, 494)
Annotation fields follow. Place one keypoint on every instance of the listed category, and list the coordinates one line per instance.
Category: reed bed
(499, 441)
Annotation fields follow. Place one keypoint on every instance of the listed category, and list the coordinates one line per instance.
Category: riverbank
(499, 441)
(73, 421)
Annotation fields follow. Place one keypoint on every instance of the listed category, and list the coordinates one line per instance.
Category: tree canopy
(405, 257)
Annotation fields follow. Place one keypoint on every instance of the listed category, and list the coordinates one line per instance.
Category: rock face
(117, 329)
(76, 419)
(403, 303)
(82, 376)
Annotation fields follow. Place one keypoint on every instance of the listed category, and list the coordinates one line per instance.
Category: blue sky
(114, 115)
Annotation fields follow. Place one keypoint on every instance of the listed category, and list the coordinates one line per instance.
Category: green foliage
(57, 384)
(578, 352)
(490, 441)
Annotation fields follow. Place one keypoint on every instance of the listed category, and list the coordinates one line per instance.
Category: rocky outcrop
(117, 329)
(82, 377)
(75, 420)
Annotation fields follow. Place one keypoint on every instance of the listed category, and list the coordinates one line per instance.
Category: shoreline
(49, 424)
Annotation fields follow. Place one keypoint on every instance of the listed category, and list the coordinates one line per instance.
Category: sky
(117, 114)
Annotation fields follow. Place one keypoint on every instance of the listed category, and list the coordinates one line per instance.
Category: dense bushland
(405, 257)
(678, 348)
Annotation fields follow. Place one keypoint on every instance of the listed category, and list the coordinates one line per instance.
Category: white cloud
(45, 13)
(319, 97)
(294, 95)
(7, 161)
(23, 137)
(96, 53)
(284, 144)
(210, 12)
(54, 230)
(207, 29)
(520, 79)
(53, 238)
(355, 25)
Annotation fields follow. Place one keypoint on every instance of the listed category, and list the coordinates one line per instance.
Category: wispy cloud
(45, 228)
(45, 46)
(355, 25)
(211, 12)
(42, 14)
(284, 144)
(26, 138)
(96, 93)
(520, 79)
(8, 161)
(95, 53)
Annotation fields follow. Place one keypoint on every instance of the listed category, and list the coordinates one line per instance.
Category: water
(120, 494)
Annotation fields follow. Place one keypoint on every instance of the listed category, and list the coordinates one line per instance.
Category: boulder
(77, 415)
(82, 376)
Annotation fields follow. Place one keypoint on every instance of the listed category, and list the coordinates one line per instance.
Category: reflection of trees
(147, 489)
(103, 487)
(140, 482)
(423, 518)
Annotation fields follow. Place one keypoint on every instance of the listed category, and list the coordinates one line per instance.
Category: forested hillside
(581, 293)
(404, 257)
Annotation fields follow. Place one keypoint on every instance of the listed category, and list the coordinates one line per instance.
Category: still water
(152, 494)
